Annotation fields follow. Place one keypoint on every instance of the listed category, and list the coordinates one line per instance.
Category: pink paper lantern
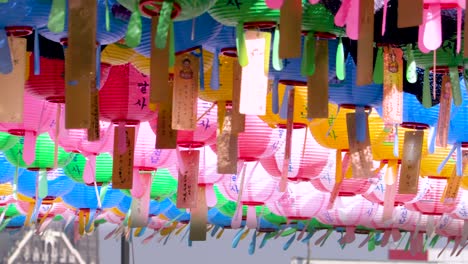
(325, 182)
(300, 202)
(7, 199)
(45, 209)
(37, 116)
(76, 140)
(449, 227)
(377, 195)
(348, 212)
(430, 203)
(258, 189)
(258, 140)
(308, 158)
(147, 158)
(461, 209)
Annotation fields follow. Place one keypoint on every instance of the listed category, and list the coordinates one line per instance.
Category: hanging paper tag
(254, 83)
(226, 146)
(365, 57)
(80, 63)
(238, 119)
(139, 208)
(360, 151)
(11, 101)
(288, 145)
(410, 13)
(95, 126)
(317, 84)
(451, 190)
(184, 101)
(290, 29)
(199, 217)
(444, 112)
(159, 68)
(393, 86)
(411, 162)
(166, 137)
(188, 178)
(122, 167)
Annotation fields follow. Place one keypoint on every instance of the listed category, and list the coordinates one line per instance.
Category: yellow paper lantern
(332, 132)
(300, 104)
(141, 63)
(430, 163)
(6, 189)
(226, 80)
(115, 54)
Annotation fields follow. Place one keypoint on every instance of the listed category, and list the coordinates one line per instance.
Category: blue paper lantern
(26, 13)
(172, 212)
(7, 170)
(84, 197)
(58, 184)
(203, 29)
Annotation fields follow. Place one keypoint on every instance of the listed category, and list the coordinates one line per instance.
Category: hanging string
(57, 134)
(434, 76)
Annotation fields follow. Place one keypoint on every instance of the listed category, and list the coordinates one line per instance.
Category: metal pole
(124, 251)
(308, 252)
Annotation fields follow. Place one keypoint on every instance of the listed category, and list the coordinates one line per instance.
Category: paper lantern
(11, 210)
(430, 163)
(188, 34)
(37, 115)
(125, 96)
(16, 222)
(83, 197)
(216, 218)
(308, 158)
(258, 140)
(461, 209)
(228, 207)
(118, 19)
(449, 227)
(7, 141)
(300, 202)
(58, 184)
(44, 154)
(7, 170)
(163, 186)
(76, 168)
(430, 203)
(50, 83)
(117, 54)
(258, 188)
(6, 194)
(348, 212)
(48, 210)
(172, 212)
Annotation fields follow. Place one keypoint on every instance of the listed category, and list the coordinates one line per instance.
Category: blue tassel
(214, 81)
(432, 139)
(289, 243)
(308, 237)
(459, 162)
(395, 142)
(98, 67)
(442, 165)
(6, 64)
(215, 230)
(142, 232)
(190, 243)
(37, 61)
(253, 243)
(361, 123)
(202, 71)
(237, 238)
(92, 215)
(284, 105)
(35, 213)
(275, 97)
(264, 241)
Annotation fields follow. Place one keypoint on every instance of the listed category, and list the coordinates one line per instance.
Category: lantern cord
(206, 112)
(57, 134)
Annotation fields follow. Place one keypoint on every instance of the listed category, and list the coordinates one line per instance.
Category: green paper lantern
(317, 18)
(228, 207)
(188, 8)
(163, 186)
(11, 210)
(44, 154)
(7, 141)
(75, 168)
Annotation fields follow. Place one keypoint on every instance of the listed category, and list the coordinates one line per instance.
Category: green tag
(276, 61)
(56, 22)
(426, 98)
(241, 48)
(171, 45)
(164, 25)
(455, 81)
(340, 61)
(133, 35)
(308, 56)
(43, 188)
(411, 75)
(378, 67)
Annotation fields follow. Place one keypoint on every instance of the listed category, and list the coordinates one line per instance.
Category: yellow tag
(360, 151)
(166, 137)
(187, 185)
(411, 162)
(290, 29)
(122, 167)
(410, 13)
(226, 147)
(317, 84)
(198, 217)
(159, 68)
(444, 112)
(365, 54)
